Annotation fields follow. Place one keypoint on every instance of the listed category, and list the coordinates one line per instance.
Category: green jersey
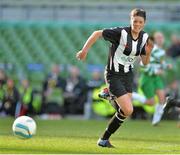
(151, 81)
(156, 61)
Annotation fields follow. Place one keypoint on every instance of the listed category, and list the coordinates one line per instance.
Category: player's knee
(150, 101)
(128, 111)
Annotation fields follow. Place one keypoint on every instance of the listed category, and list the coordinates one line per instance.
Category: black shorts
(119, 83)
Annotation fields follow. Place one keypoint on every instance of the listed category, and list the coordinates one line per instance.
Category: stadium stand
(36, 34)
(25, 45)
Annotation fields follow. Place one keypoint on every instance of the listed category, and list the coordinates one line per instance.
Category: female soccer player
(127, 44)
(151, 81)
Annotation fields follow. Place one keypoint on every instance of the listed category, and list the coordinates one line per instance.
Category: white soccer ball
(24, 127)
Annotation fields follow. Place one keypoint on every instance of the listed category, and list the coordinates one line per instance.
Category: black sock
(113, 125)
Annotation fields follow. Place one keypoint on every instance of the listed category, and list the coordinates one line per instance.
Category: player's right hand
(149, 46)
(81, 55)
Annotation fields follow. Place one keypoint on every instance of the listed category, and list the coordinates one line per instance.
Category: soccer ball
(24, 127)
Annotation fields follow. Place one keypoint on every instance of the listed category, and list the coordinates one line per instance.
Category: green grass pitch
(80, 136)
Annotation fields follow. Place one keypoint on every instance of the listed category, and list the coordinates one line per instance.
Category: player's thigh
(158, 83)
(130, 95)
(148, 89)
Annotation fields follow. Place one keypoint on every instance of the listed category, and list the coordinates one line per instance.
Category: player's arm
(81, 55)
(148, 48)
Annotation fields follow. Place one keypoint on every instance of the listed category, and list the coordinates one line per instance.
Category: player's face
(159, 39)
(137, 23)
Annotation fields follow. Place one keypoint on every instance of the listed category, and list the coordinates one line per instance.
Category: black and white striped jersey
(124, 49)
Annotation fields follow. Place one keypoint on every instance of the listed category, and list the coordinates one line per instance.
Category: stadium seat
(25, 43)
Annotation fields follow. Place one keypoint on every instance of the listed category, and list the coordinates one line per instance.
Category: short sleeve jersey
(124, 49)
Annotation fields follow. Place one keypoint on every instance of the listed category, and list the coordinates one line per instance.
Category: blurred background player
(127, 44)
(151, 81)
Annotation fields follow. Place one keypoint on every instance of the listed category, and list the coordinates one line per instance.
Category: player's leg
(121, 88)
(139, 97)
(159, 107)
(159, 87)
(124, 111)
(148, 90)
(147, 86)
